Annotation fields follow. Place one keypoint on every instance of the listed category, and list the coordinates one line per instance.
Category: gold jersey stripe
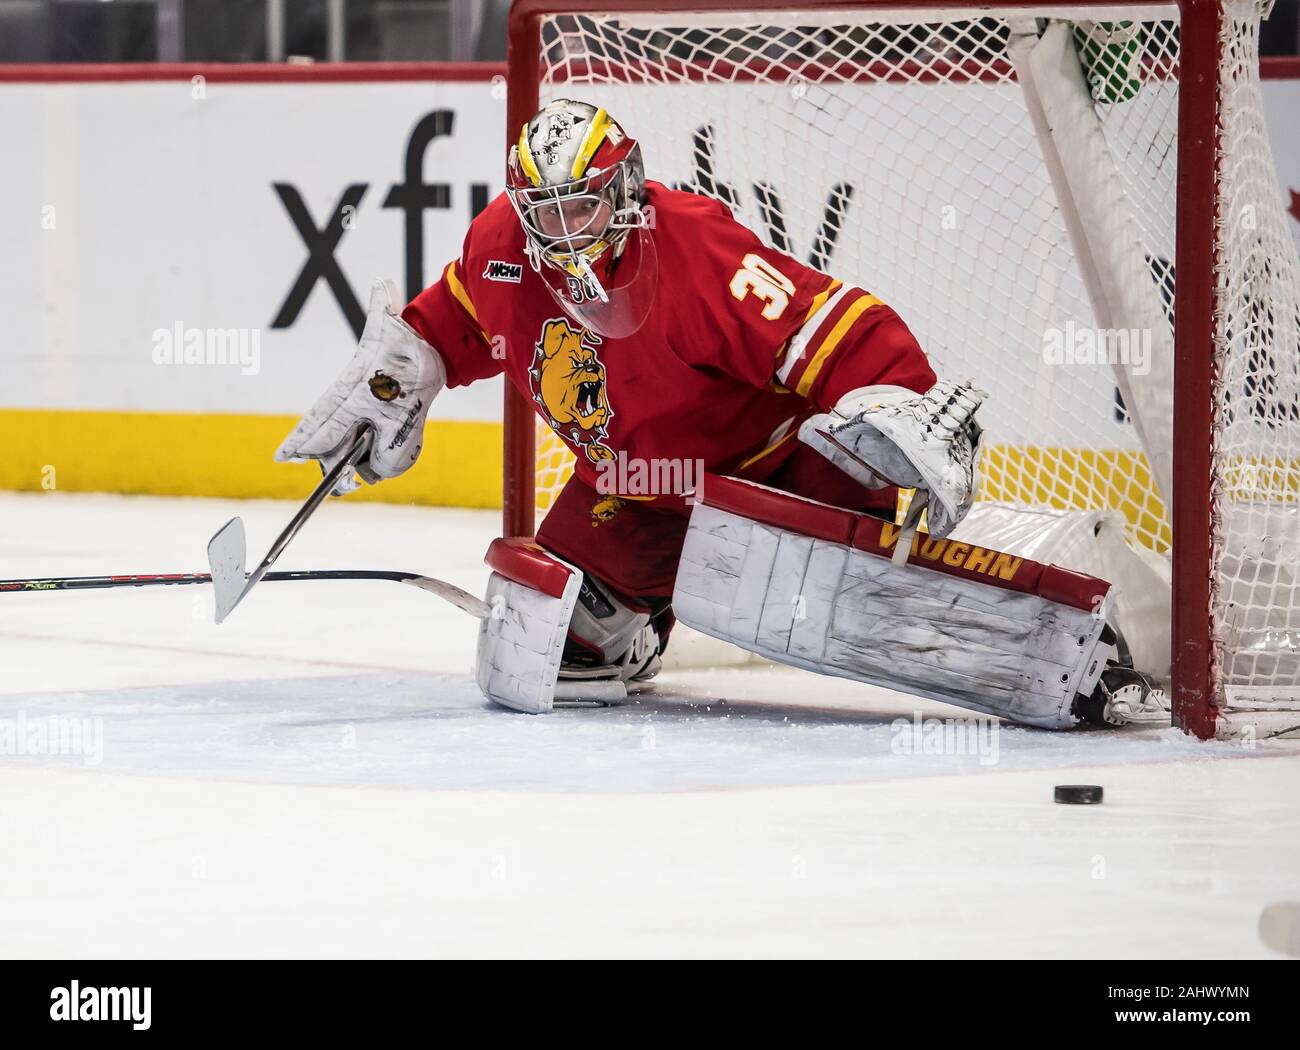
(832, 340)
(461, 296)
(769, 449)
(818, 301)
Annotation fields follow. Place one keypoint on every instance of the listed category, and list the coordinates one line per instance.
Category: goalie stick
(450, 592)
(228, 549)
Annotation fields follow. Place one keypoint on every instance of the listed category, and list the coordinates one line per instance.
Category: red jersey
(743, 342)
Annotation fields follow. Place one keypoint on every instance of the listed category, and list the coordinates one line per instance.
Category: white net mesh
(908, 152)
(1257, 425)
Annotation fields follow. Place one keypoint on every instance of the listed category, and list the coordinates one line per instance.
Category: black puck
(1078, 794)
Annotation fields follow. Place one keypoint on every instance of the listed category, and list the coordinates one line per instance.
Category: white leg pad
(1091, 542)
(813, 586)
(532, 594)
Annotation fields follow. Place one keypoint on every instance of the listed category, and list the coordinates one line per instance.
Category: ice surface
(319, 776)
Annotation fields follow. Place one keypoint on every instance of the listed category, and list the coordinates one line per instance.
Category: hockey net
(1006, 180)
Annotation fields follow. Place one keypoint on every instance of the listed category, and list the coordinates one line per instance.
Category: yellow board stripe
(226, 456)
(1076, 479)
(865, 302)
(461, 296)
(229, 456)
(590, 143)
(526, 158)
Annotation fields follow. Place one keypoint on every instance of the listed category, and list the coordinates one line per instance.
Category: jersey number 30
(757, 277)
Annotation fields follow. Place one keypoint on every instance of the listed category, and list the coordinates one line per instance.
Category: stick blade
(226, 551)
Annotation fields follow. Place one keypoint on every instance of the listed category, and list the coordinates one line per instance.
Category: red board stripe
(1271, 67)
(250, 72)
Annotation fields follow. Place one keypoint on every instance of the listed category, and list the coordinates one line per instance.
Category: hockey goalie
(647, 326)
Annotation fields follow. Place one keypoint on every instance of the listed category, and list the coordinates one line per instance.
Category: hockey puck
(1078, 794)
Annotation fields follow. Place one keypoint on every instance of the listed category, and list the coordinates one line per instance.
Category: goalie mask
(575, 179)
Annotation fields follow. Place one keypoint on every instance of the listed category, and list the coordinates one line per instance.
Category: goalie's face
(576, 219)
(577, 222)
(576, 181)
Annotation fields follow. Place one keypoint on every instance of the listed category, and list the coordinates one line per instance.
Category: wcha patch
(511, 273)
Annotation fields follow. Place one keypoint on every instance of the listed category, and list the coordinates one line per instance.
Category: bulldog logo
(604, 509)
(568, 384)
(384, 387)
(559, 130)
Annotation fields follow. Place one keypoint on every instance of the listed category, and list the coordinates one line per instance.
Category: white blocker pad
(807, 584)
(532, 594)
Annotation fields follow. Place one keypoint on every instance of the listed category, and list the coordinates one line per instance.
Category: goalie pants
(635, 548)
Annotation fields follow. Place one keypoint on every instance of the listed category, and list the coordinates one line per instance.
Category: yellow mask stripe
(592, 251)
(590, 143)
(526, 158)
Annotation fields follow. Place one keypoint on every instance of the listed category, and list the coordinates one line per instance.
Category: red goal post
(1197, 651)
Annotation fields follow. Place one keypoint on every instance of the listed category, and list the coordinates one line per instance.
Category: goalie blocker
(811, 585)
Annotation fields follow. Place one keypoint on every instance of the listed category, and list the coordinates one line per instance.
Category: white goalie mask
(576, 181)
